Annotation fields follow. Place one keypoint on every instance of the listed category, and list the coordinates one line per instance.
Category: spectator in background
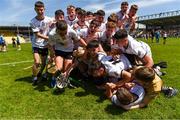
(157, 36)
(18, 43)
(152, 36)
(164, 37)
(13, 42)
(3, 44)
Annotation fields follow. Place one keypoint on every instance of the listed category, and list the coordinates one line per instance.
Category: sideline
(13, 63)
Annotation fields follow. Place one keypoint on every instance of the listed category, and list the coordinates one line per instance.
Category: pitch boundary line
(13, 63)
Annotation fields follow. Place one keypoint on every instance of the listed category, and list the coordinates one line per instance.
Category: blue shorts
(66, 55)
(41, 51)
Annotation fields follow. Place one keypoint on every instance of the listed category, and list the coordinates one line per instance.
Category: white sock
(35, 78)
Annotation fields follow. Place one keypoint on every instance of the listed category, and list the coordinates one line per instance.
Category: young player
(122, 14)
(106, 36)
(71, 19)
(91, 33)
(130, 20)
(62, 38)
(40, 25)
(99, 16)
(131, 46)
(81, 23)
(18, 43)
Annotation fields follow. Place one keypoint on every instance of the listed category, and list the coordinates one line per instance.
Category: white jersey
(83, 33)
(70, 22)
(165, 35)
(120, 15)
(114, 68)
(43, 27)
(137, 48)
(66, 44)
(106, 39)
(77, 27)
(102, 27)
(137, 90)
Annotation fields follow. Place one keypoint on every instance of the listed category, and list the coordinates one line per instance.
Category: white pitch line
(27, 67)
(13, 63)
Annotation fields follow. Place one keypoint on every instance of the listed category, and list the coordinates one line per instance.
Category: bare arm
(126, 77)
(148, 61)
(144, 103)
(109, 89)
(82, 41)
(41, 36)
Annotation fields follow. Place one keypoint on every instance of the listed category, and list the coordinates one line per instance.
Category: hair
(124, 96)
(93, 44)
(106, 47)
(94, 22)
(113, 18)
(90, 13)
(82, 12)
(135, 7)
(100, 13)
(61, 25)
(124, 3)
(39, 4)
(110, 25)
(59, 12)
(120, 34)
(78, 9)
(71, 7)
(144, 73)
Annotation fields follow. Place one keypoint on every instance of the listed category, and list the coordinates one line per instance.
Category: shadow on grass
(27, 79)
(114, 110)
(88, 86)
(41, 83)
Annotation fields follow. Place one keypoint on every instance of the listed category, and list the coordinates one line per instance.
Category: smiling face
(40, 11)
(71, 13)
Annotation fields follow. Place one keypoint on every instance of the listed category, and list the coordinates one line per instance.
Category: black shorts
(41, 51)
(100, 80)
(66, 55)
(18, 43)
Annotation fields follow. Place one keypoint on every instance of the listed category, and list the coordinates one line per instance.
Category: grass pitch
(20, 100)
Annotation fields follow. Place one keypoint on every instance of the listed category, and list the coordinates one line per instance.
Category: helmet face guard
(61, 81)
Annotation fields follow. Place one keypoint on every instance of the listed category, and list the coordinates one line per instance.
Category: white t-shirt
(83, 33)
(137, 90)
(43, 27)
(105, 38)
(138, 48)
(66, 45)
(114, 68)
(77, 27)
(165, 35)
(120, 15)
(102, 27)
(70, 22)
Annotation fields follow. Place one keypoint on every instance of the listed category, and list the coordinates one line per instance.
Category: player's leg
(35, 67)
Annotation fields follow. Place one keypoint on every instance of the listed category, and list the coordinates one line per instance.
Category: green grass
(20, 100)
